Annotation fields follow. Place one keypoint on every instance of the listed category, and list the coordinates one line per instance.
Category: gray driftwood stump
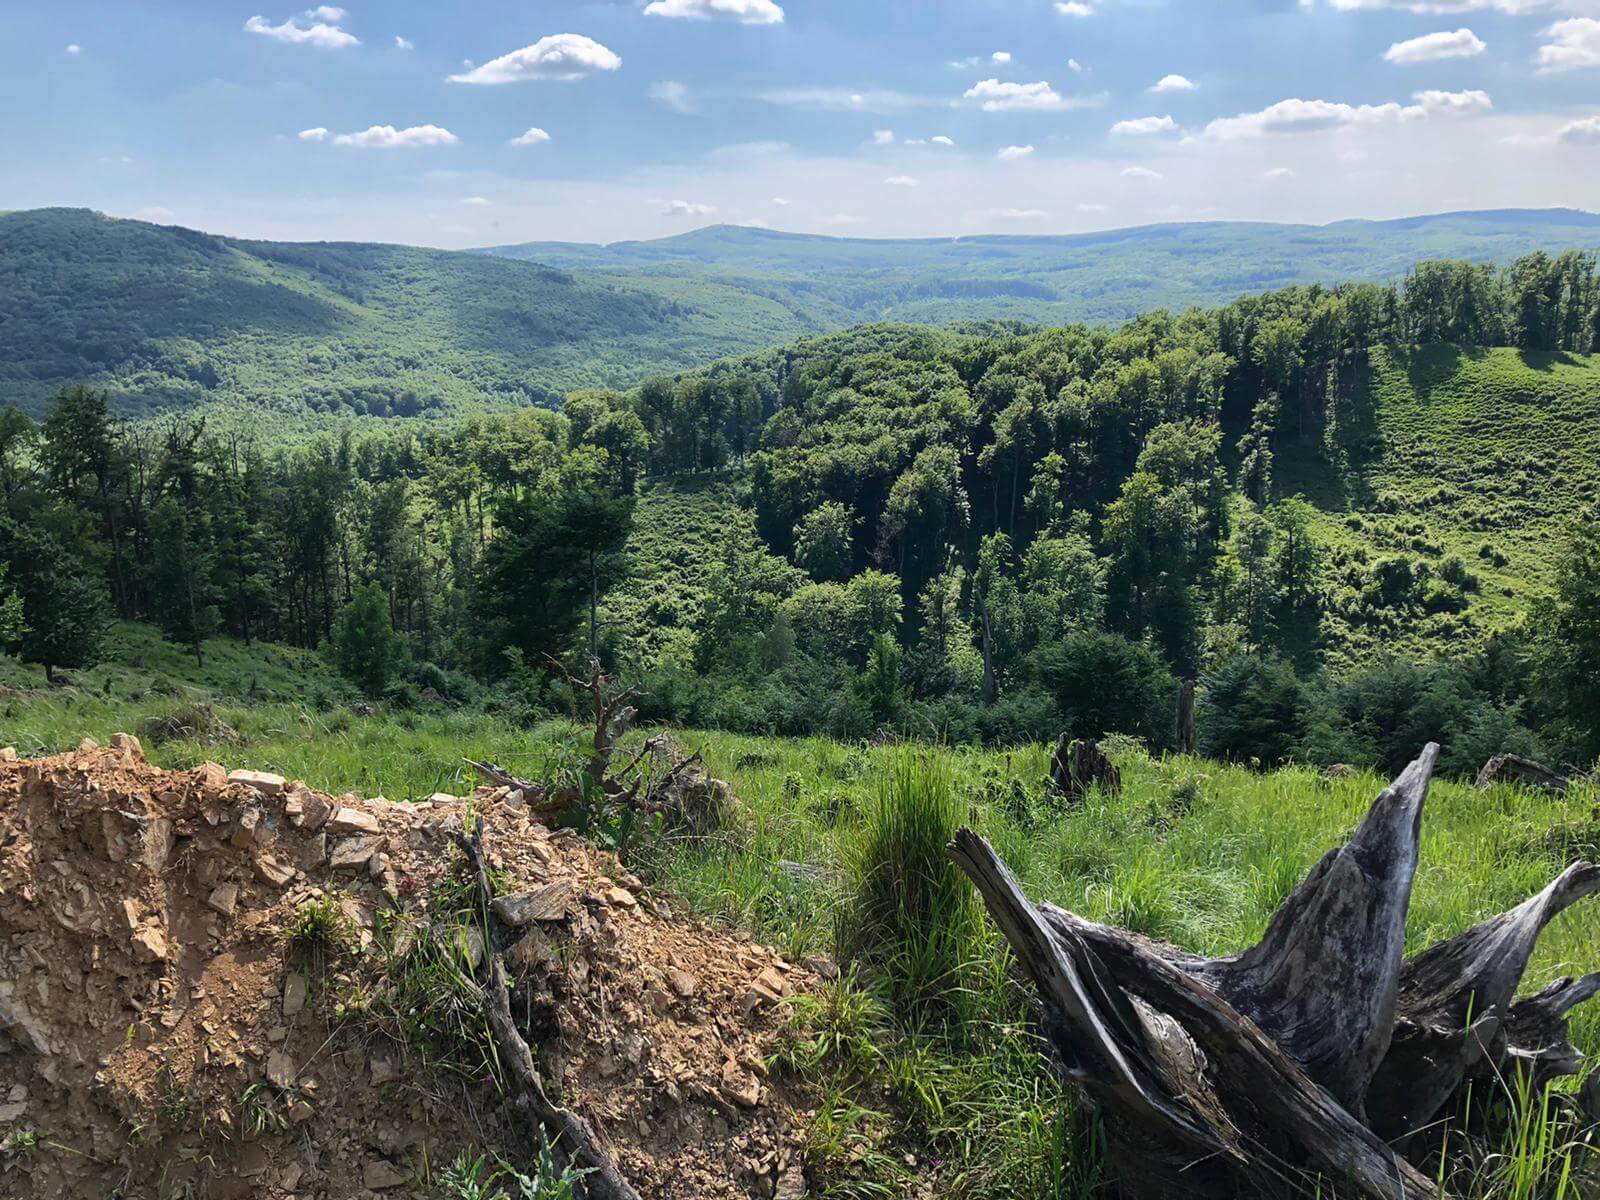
(1320, 1061)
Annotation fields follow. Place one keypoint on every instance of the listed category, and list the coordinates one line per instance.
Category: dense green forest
(1336, 508)
(290, 338)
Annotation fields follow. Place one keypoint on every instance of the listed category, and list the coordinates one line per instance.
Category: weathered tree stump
(1513, 768)
(1314, 1062)
(1075, 767)
(1185, 735)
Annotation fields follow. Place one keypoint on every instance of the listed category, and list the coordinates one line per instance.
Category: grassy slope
(1491, 447)
(1191, 851)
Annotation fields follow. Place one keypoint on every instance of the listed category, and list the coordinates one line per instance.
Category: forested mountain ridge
(302, 335)
(165, 318)
(1108, 276)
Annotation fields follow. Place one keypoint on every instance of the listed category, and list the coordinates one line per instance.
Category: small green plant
(493, 1178)
(260, 1111)
(318, 933)
(843, 1026)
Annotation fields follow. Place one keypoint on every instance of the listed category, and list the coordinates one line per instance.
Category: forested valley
(989, 533)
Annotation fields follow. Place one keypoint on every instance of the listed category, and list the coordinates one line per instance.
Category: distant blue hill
(1105, 276)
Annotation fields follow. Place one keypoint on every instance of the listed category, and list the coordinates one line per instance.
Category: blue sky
(480, 121)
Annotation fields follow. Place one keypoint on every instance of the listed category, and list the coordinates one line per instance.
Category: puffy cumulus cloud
(1585, 130)
(687, 208)
(883, 137)
(1144, 126)
(403, 43)
(1001, 57)
(992, 95)
(779, 202)
(669, 93)
(74, 48)
(1278, 173)
(745, 12)
(559, 56)
(901, 181)
(1572, 44)
(317, 134)
(940, 140)
(1010, 153)
(1308, 116)
(387, 137)
(1141, 173)
(533, 137)
(1174, 83)
(1432, 47)
(1454, 102)
(316, 27)
(1073, 8)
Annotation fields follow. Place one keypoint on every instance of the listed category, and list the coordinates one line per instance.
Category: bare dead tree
(1319, 1061)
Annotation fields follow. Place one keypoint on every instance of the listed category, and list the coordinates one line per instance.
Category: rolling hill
(166, 318)
(1096, 277)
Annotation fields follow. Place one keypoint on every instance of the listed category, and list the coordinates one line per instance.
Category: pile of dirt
(164, 1032)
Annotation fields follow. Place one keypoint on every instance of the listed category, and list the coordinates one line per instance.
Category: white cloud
(1073, 8)
(1587, 130)
(686, 208)
(319, 134)
(941, 140)
(780, 202)
(995, 96)
(1432, 47)
(746, 12)
(1000, 56)
(1454, 102)
(1014, 152)
(403, 43)
(387, 137)
(1141, 173)
(1278, 173)
(1307, 116)
(476, 201)
(1144, 126)
(1573, 43)
(883, 137)
(1174, 83)
(1074, 65)
(1015, 214)
(74, 48)
(319, 27)
(669, 93)
(901, 181)
(745, 151)
(533, 137)
(559, 56)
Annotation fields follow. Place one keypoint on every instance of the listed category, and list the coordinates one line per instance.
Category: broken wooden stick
(1291, 1068)
(569, 1135)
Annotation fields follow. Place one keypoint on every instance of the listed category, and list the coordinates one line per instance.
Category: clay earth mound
(164, 1033)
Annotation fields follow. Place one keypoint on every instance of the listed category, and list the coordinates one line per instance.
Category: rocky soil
(164, 1033)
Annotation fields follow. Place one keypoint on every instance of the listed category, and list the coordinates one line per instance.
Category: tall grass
(911, 915)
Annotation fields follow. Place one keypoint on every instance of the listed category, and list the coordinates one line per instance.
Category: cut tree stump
(1075, 767)
(1318, 1062)
(1513, 768)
